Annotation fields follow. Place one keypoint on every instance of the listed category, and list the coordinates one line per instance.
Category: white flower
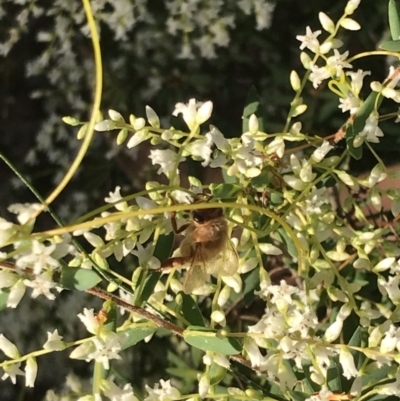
(89, 320)
(8, 347)
(39, 259)
(391, 287)
(115, 393)
(391, 340)
(54, 342)
(106, 348)
(165, 393)
(194, 113)
(318, 74)
(167, 159)
(319, 153)
(30, 372)
(114, 197)
(357, 80)
(338, 61)
(146, 259)
(12, 371)
(41, 285)
(377, 174)
(24, 211)
(218, 139)
(315, 200)
(309, 40)
(201, 148)
(347, 361)
(350, 103)
(294, 350)
(370, 133)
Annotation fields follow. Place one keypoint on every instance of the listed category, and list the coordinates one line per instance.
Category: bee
(206, 248)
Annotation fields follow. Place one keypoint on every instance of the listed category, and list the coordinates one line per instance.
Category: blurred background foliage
(47, 71)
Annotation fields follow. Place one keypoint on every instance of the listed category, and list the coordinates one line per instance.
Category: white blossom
(114, 393)
(89, 320)
(167, 159)
(11, 371)
(54, 342)
(39, 258)
(24, 211)
(165, 393)
(194, 113)
(107, 347)
(114, 197)
(41, 285)
(309, 40)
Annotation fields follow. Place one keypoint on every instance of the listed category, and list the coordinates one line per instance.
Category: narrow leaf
(207, 340)
(190, 311)
(390, 45)
(394, 19)
(78, 279)
(133, 336)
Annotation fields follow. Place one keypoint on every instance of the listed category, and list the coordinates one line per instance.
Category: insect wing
(195, 277)
(227, 263)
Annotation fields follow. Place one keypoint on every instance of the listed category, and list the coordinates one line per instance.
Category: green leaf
(288, 241)
(206, 340)
(359, 339)
(131, 337)
(251, 281)
(4, 298)
(374, 373)
(394, 18)
(78, 279)
(164, 246)
(358, 124)
(150, 283)
(229, 179)
(190, 311)
(391, 45)
(224, 191)
(253, 106)
(333, 377)
(263, 180)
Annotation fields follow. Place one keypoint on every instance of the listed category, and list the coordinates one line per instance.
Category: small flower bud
(30, 372)
(326, 22)
(152, 117)
(295, 80)
(9, 348)
(115, 116)
(350, 24)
